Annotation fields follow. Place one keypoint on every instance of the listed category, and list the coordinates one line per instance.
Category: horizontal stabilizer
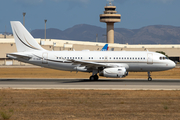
(17, 55)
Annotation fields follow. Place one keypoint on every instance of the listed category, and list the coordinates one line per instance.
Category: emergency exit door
(150, 58)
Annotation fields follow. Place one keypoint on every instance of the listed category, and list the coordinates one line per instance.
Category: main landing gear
(94, 77)
(149, 76)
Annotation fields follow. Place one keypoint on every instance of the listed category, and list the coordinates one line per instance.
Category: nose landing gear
(149, 76)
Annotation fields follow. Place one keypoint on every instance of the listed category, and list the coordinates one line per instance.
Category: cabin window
(100, 58)
(78, 57)
(114, 58)
(119, 69)
(57, 57)
(127, 58)
(92, 58)
(117, 58)
(81, 57)
(110, 58)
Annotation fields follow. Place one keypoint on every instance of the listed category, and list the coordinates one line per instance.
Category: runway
(104, 84)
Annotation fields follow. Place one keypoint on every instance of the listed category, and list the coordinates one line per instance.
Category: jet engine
(118, 72)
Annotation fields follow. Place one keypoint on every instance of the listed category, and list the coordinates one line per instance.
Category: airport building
(7, 45)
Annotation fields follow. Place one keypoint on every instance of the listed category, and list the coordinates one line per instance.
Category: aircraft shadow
(87, 80)
(121, 80)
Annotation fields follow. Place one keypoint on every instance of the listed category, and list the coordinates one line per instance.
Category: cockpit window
(163, 58)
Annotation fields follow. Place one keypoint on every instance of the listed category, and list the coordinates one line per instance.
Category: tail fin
(105, 48)
(24, 40)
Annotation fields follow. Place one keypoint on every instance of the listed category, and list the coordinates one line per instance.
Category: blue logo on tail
(105, 48)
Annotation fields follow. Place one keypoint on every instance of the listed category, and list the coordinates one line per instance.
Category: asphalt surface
(107, 84)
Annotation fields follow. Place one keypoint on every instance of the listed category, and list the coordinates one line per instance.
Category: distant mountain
(155, 34)
(50, 33)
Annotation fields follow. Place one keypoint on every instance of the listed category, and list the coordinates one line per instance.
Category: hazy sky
(63, 14)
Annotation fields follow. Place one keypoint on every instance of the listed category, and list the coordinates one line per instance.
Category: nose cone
(172, 64)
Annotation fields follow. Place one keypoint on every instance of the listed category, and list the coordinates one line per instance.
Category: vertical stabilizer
(24, 40)
(105, 48)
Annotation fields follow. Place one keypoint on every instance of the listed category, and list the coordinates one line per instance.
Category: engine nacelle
(118, 72)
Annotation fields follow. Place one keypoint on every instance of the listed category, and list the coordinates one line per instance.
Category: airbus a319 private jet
(113, 64)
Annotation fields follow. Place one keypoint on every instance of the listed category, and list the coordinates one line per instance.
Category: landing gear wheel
(149, 79)
(92, 78)
(149, 76)
(96, 77)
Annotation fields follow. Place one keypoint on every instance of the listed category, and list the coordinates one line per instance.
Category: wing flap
(88, 64)
(96, 65)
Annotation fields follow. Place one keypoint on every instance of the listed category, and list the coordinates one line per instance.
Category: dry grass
(89, 104)
(50, 73)
(86, 104)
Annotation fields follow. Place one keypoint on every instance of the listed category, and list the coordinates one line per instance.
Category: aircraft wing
(96, 65)
(88, 64)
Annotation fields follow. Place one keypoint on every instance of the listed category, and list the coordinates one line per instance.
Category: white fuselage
(136, 61)
(114, 64)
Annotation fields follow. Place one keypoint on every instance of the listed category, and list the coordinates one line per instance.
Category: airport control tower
(110, 17)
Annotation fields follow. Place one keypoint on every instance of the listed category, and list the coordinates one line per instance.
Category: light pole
(5, 32)
(24, 18)
(96, 37)
(105, 38)
(45, 30)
